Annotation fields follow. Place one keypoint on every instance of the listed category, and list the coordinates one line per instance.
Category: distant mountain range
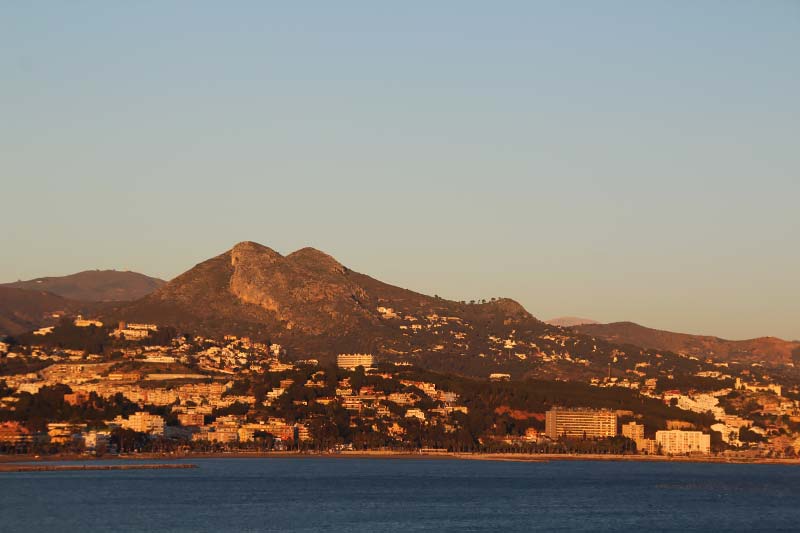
(94, 285)
(22, 310)
(316, 307)
(569, 321)
(27, 305)
(753, 350)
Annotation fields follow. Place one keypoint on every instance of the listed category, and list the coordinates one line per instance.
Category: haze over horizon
(640, 163)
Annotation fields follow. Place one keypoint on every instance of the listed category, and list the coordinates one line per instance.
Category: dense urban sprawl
(152, 389)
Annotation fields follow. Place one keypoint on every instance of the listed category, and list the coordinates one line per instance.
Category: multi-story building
(191, 419)
(351, 361)
(302, 432)
(677, 441)
(83, 323)
(647, 446)
(351, 403)
(144, 422)
(581, 423)
(415, 413)
(758, 387)
(64, 432)
(160, 396)
(14, 434)
(402, 398)
(279, 428)
(133, 331)
(633, 431)
(95, 440)
(224, 434)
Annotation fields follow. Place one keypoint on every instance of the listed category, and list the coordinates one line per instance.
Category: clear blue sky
(616, 160)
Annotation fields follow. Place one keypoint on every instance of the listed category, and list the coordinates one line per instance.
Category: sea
(364, 495)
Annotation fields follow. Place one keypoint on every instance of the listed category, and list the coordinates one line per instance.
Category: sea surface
(348, 494)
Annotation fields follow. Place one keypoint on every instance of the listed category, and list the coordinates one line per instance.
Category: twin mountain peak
(315, 306)
(252, 289)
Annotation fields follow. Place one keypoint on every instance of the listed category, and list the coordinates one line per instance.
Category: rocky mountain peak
(250, 252)
(314, 259)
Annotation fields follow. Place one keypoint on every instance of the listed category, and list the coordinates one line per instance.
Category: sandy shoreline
(505, 457)
(44, 467)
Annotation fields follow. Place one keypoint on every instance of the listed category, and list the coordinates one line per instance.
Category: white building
(144, 422)
(96, 439)
(415, 413)
(678, 442)
(351, 361)
(757, 387)
(84, 323)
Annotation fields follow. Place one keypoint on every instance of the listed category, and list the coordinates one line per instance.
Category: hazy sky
(621, 161)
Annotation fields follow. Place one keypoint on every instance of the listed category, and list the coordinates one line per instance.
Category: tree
(357, 379)
(748, 435)
(128, 440)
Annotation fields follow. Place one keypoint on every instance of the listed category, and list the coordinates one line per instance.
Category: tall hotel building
(589, 423)
(353, 360)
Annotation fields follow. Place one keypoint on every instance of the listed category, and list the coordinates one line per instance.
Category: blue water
(329, 494)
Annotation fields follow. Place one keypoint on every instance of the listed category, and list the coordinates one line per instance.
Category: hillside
(764, 349)
(22, 310)
(315, 307)
(306, 298)
(94, 285)
(570, 321)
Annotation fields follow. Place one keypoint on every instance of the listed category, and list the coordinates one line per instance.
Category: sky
(617, 160)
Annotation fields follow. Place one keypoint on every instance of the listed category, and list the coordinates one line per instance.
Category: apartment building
(351, 361)
(580, 423)
(678, 442)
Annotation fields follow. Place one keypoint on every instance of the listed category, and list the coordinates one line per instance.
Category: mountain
(763, 349)
(22, 310)
(307, 298)
(315, 307)
(94, 285)
(570, 321)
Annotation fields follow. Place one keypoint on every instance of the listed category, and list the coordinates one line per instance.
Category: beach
(401, 455)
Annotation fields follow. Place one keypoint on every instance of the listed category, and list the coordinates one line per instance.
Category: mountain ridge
(315, 278)
(93, 285)
(570, 321)
(307, 299)
(315, 307)
(24, 310)
(747, 350)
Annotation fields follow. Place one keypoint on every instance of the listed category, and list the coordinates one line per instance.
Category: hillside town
(154, 390)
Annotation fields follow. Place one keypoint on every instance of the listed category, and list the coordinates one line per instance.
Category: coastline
(400, 455)
(17, 467)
